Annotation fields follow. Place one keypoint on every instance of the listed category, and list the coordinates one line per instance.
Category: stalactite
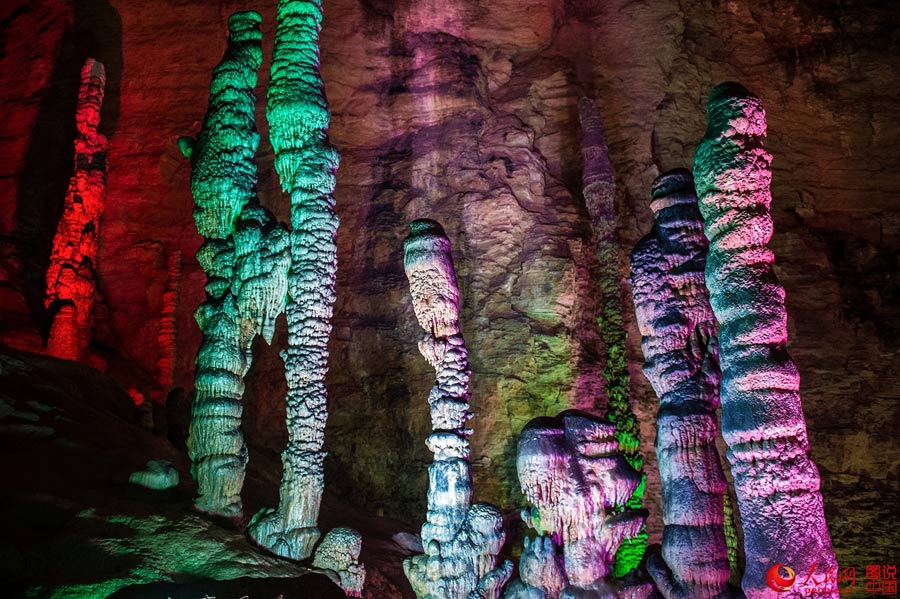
(573, 473)
(164, 374)
(681, 362)
(306, 162)
(223, 181)
(776, 481)
(70, 274)
(461, 540)
(599, 195)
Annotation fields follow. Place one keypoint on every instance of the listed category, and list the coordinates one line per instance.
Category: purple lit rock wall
(466, 112)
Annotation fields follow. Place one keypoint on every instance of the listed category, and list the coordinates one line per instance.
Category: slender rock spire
(776, 480)
(681, 362)
(461, 540)
(70, 274)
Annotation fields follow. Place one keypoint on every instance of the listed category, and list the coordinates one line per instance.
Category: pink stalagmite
(678, 339)
(776, 480)
(70, 274)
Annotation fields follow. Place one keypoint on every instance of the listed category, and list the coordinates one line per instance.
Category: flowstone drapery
(573, 474)
(461, 540)
(678, 339)
(223, 181)
(776, 481)
(70, 274)
(306, 162)
(599, 195)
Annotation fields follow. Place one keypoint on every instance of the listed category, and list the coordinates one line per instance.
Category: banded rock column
(306, 162)
(681, 362)
(776, 480)
(599, 194)
(70, 274)
(223, 181)
(461, 540)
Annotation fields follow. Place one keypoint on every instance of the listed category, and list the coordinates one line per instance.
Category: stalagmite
(681, 362)
(572, 472)
(164, 374)
(339, 552)
(599, 195)
(776, 481)
(70, 274)
(298, 118)
(223, 181)
(461, 540)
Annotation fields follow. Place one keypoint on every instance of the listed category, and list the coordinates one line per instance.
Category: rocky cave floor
(77, 529)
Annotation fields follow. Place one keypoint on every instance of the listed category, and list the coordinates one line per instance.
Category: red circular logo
(776, 581)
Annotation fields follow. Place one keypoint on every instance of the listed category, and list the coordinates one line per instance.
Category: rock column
(306, 163)
(678, 339)
(70, 274)
(461, 540)
(776, 481)
(223, 181)
(599, 195)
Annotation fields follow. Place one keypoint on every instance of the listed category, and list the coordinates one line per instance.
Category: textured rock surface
(681, 361)
(70, 274)
(298, 115)
(461, 540)
(466, 112)
(223, 181)
(775, 478)
(339, 552)
(578, 482)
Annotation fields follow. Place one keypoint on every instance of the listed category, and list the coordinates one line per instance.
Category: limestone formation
(461, 540)
(339, 552)
(159, 475)
(776, 480)
(164, 373)
(678, 339)
(70, 274)
(578, 482)
(599, 195)
(306, 162)
(223, 181)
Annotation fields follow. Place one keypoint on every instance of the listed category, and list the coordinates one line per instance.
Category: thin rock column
(599, 194)
(461, 540)
(681, 362)
(223, 181)
(776, 480)
(70, 274)
(306, 163)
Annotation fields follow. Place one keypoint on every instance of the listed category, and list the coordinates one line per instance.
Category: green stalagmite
(223, 181)
(306, 163)
(599, 195)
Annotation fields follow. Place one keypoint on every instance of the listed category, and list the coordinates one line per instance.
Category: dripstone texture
(775, 477)
(681, 361)
(70, 275)
(467, 113)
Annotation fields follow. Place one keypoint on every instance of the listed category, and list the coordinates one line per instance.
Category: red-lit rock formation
(70, 275)
(164, 374)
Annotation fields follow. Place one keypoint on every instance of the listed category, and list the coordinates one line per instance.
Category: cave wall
(465, 112)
